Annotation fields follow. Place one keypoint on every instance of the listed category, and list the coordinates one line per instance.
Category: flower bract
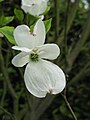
(41, 76)
(72, 1)
(34, 7)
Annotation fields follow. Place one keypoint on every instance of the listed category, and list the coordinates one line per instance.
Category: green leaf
(1, 0)
(5, 20)
(8, 33)
(32, 27)
(47, 10)
(30, 19)
(19, 14)
(48, 24)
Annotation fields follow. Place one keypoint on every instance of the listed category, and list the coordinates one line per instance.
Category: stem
(71, 16)
(68, 105)
(57, 18)
(5, 73)
(65, 31)
(16, 111)
(4, 94)
(80, 43)
(5, 111)
(43, 106)
(81, 75)
(7, 80)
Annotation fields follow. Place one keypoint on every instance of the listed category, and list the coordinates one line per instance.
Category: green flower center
(34, 57)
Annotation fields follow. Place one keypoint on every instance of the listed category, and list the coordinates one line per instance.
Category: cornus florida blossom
(41, 76)
(34, 7)
(72, 1)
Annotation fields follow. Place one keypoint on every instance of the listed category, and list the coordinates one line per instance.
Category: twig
(4, 93)
(81, 75)
(7, 80)
(57, 18)
(65, 30)
(68, 105)
(71, 16)
(78, 47)
(5, 111)
(5, 73)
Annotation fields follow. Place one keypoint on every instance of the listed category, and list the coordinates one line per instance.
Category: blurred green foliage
(70, 29)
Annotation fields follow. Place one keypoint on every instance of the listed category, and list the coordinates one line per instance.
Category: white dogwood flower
(34, 7)
(72, 1)
(41, 76)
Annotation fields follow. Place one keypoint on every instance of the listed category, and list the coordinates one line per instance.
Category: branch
(9, 114)
(43, 106)
(5, 73)
(84, 36)
(68, 105)
(70, 18)
(57, 18)
(7, 80)
(81, 75)
(4, 94)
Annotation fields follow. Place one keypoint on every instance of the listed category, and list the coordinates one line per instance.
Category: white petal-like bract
(24, 38)
(33, 10)
(44, 77)
(49, 51)
(20, 59)
(34, 7)
(23, 49)
(40, 32)
(27, 2)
